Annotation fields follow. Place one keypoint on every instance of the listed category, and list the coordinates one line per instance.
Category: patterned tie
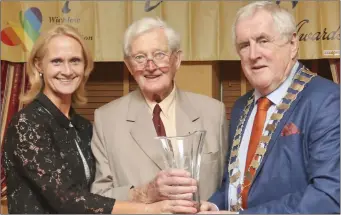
(257, 130)
(158, 124)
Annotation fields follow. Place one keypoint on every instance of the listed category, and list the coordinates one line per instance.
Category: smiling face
(154, 77)
(266, 56)
(62, 67)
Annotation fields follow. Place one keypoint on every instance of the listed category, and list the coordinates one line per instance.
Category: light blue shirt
(275, 97)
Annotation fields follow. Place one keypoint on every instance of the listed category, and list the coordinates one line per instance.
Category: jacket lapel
(142, 130)
(276, 133)
(246, 119)
(187, 118)
(234, 124)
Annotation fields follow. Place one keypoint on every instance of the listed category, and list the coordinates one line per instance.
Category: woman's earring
(40, 74)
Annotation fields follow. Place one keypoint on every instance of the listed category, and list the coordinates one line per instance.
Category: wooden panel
(100, 99)
(126, 82)
(230, 76)
(199, 77)
(105, 93)
(323, 69)
(242, 83)
(229, 91)
(4, 208)
(230, 99)
(99, 86)
(104, 85)
(90, 105)
(105, 72)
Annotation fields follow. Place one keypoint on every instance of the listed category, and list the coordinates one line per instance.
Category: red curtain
(13, 83)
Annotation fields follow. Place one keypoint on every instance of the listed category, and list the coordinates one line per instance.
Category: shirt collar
(165, 104)
(56, 113)
(276, 96)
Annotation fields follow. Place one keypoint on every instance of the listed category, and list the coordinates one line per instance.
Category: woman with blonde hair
(47, 157)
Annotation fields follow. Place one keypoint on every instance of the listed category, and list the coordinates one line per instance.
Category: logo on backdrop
(69, 18)
(323, 34)
(66, 8)
(148, 8)
(305, 35)
(24, 33)
(294, 3)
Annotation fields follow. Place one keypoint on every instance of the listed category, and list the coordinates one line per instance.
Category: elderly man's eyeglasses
(160, 59)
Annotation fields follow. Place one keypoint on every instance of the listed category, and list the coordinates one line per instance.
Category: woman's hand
(171, 206)
(165, 206)
(210, 208)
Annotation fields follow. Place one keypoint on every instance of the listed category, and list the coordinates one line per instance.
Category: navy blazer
(299, 173)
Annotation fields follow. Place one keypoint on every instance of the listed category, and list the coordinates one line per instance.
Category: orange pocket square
(290, 129)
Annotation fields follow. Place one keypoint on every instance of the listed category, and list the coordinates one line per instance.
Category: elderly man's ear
(179, 56)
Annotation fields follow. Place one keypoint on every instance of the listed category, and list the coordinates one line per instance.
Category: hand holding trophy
(183, 154)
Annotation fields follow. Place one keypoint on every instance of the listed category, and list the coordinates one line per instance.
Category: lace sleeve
(36, 158)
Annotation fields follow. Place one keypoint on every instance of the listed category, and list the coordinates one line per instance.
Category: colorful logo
(26, 33)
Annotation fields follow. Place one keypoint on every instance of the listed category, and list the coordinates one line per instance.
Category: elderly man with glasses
(129, 159)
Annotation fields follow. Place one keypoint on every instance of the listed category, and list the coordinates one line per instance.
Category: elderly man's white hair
(146, 24)
(283, 20)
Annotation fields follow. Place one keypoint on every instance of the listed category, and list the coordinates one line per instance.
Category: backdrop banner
(204, 26)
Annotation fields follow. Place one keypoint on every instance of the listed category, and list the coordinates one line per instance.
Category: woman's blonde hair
(39, 51)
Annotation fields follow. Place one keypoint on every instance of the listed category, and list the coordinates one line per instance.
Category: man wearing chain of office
(284, 142)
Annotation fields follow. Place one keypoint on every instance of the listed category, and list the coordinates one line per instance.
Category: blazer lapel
(246, 119)
(142, 130)
(276, 133)
(187, 118)
(234, 124)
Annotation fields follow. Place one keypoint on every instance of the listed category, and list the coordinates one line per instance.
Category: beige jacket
(128, 155)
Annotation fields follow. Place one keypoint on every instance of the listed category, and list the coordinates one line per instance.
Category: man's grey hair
(146, 24)
(283, 20)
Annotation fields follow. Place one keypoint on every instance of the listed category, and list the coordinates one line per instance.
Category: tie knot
(157, 109)
(264, 103)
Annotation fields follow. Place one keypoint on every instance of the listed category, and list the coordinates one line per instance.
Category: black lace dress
(48, 162)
